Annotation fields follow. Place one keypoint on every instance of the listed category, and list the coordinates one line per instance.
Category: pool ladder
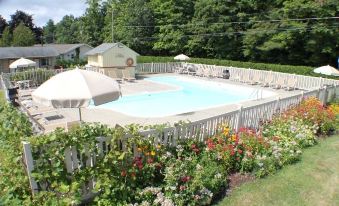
(258, 93)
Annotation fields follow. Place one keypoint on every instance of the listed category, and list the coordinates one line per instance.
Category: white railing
(239, 74)
(249, 117)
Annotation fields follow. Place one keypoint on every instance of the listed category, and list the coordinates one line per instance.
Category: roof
(105, 47)
(18, 52)
(64, 48)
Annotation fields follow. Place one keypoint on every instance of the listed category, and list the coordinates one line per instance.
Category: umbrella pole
(80, 114)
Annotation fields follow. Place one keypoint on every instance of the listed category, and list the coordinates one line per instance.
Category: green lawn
(313, 181)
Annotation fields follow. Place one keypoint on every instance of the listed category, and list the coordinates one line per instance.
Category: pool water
(191, 95)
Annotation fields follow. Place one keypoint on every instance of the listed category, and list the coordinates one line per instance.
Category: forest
(294, 32)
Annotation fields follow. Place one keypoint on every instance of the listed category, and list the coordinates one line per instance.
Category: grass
(312, 181)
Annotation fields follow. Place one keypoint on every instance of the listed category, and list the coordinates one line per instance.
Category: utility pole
(112, 25)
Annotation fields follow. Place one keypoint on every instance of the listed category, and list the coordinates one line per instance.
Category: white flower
(218, 176)
(260, 164)
(199, 167)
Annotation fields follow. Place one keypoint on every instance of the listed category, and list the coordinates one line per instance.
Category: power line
(232, 22)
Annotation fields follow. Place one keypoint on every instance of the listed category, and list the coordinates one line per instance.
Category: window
(44, 62)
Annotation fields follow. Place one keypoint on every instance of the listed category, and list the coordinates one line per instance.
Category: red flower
(185, 178)
(182, 187)
(150, 160)
(239, 151)
(123, 173)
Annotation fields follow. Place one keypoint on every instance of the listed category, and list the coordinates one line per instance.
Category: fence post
(28, 158)
(325, 95)
(318, 93)
(320, 82)
(152, 67)
(277, 106)
(239, 118)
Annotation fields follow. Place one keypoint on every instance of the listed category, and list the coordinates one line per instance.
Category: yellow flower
(152, 153)
(139, 149)
(234, 137)
(158, 146)
(226, 130)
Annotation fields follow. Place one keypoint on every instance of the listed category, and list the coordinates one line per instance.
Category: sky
(43, 10)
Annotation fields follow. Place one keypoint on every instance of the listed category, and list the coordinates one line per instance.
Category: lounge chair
(255, 80)
(114, 76)
(128, 76)
(279, 83)
(291, 84)
(246, 78)
(268, 81)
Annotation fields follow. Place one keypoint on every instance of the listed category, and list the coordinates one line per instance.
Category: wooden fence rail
(242, 117)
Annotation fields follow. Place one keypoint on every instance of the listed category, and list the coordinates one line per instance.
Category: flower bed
(189, 173)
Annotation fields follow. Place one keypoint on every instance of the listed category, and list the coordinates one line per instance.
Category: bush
(301, 70)
(145, 172)
(71, 63)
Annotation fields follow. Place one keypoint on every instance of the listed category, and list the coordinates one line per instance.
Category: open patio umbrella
(327, 70)
(22, 62)
(77, 88)
(181, 57)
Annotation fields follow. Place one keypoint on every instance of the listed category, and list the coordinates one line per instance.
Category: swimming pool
(191, 95)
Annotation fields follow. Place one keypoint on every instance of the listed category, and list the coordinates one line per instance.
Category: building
(112, 57)
(70, 51)
(45, 57)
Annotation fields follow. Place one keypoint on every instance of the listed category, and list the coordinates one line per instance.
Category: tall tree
(67, 30)
(3, 24)
(22, 17)
(133, 24)
(171, 18)
(49, 32)
(23, 36)
(92, 23)
(6, 39)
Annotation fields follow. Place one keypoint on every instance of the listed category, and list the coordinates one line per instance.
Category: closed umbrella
(22, 62)
(77, 88)
(327, 70)
(181, 57)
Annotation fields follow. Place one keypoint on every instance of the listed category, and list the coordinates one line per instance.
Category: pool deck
(112, 118)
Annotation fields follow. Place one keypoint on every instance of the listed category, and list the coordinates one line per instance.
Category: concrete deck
(112, 118)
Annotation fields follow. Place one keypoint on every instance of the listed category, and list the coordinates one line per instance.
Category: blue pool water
(190, 95)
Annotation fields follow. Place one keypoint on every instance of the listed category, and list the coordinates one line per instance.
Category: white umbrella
(327, 70)
(77, 88)
(22, 62)
(181, 57)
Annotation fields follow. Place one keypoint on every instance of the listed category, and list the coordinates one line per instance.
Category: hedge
(302, 70)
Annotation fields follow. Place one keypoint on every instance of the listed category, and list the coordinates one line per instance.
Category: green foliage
(92, 23)
(49, 32)
(23, 36)
(68, 30)
(38, 76)
(6, 39)
(14, 127)
(71, 63)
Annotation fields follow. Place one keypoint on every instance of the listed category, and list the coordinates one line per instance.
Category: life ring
(129, 62)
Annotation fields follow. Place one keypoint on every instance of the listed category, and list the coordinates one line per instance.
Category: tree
(92, 23)
(3, 24)
(23, 36)
(133, 24)
(67, 30)
(171, 18)
(22, 17)
(6, 38)
(49, 32)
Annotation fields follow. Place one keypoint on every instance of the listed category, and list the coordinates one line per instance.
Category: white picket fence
(249, 117)
(238, 74)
